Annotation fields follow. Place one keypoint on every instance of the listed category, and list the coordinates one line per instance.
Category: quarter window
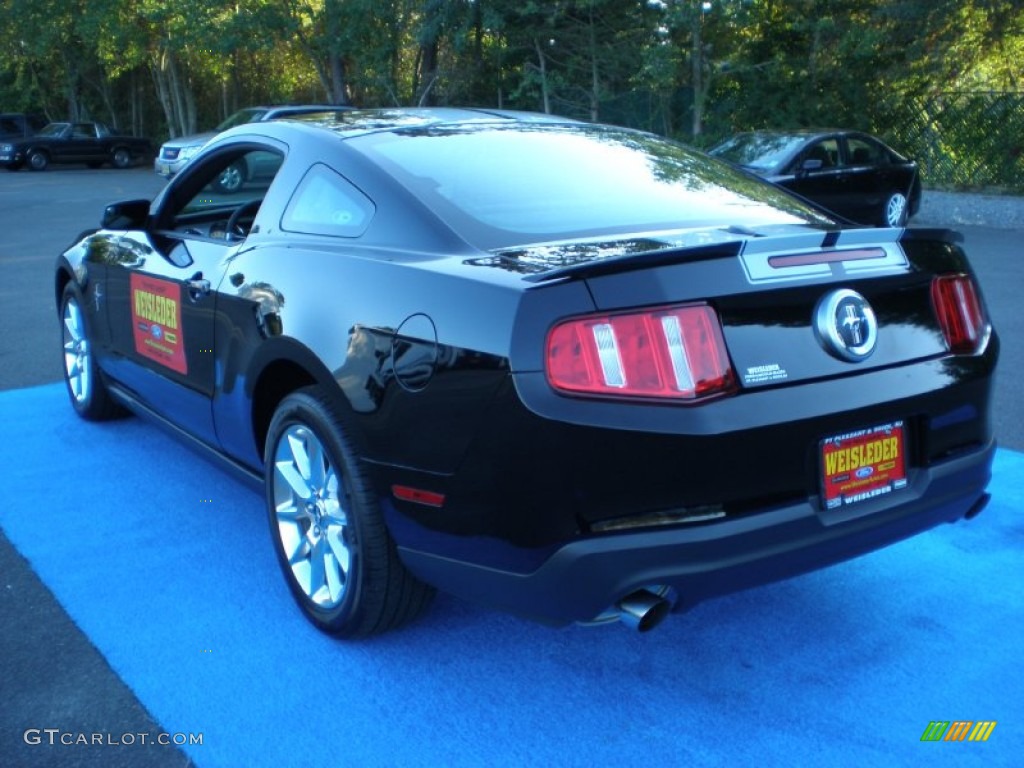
(326, 203)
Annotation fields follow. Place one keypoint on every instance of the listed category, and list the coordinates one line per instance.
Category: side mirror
(812, 164)
(127, 214)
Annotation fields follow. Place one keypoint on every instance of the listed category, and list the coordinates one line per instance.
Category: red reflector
(418, 495)
(667, 352)
(959, 312)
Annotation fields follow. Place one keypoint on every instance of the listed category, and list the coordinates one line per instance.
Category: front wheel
(894, 214)
(331, 542)
(88, 392)
(231, 179)
(37, 160)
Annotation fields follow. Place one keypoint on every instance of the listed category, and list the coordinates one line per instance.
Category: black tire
(37, 160)
(231, 179)
(329, 536)
(121, 158)
(84, 382)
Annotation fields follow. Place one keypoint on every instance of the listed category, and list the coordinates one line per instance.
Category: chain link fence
(969, 140)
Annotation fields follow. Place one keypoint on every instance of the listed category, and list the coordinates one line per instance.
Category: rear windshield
(499, 185)
(759, 151)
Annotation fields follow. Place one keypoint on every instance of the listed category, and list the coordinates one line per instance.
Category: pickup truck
(90, 143)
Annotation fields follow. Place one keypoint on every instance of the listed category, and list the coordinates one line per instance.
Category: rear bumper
(582, 579)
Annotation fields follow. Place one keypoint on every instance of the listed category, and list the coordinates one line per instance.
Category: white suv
(176, 152)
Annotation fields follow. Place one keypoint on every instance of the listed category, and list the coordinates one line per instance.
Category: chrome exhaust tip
(643, 610)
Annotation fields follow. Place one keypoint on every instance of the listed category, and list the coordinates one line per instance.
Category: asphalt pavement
(51, 677)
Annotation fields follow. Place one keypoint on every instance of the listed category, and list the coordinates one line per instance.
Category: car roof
(348, 123)
(805, 132)
(296, 107)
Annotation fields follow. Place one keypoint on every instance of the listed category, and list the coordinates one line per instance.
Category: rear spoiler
(753, 246)
(635, 261)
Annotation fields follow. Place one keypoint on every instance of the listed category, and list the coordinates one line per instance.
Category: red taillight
(668, 352)
(959, 311)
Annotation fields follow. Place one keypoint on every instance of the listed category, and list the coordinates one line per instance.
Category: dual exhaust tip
(643, 610)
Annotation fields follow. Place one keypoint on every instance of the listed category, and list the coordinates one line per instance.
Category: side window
(864, 152)
(232, 180)
(326, 203)
(821, 156)
(219, 197)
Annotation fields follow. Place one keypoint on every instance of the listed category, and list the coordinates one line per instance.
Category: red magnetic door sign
(156, 321)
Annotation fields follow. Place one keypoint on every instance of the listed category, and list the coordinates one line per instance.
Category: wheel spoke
(297, 449)
(318, 465)
(317, 577)
(342, 554)
(293, 479)
(71, 324)
(335, 574)
(71, 361)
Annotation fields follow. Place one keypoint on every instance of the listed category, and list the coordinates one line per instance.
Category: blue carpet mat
(166, 564)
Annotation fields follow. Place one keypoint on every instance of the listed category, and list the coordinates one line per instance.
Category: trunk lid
(793, 307)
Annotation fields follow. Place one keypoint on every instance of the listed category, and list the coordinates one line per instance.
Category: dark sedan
(573, 371)
(93, 144)
(850, 173)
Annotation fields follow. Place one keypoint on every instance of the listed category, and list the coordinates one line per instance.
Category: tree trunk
(697, 76)
(542, 67)
(427, 75)
(71, 87)
(339, 80)
(163, 94)
(595, 80)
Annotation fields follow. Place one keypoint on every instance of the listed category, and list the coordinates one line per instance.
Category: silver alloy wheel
(231, 179)
(76, 353)
(896, 210)
(311, 522)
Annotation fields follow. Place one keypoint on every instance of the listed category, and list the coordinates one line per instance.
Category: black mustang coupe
(572, 371)
(93, 144)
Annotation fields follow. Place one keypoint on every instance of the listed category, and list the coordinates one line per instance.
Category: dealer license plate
(863, 464)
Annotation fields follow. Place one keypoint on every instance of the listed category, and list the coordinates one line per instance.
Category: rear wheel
(37, 160)
(88, 392)
(331, 542)
(894, 214)
(122, 158)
